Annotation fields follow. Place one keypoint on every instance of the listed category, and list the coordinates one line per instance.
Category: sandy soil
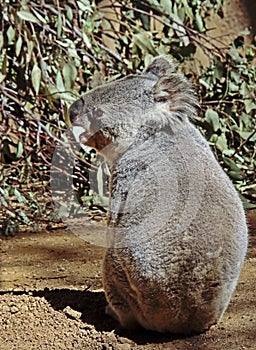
(51, 297)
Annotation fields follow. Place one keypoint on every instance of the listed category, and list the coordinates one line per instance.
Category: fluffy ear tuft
(173, 93)
(177, 96)
(160, 65)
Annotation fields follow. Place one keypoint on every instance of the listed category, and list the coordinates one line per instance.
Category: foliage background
(53, 51)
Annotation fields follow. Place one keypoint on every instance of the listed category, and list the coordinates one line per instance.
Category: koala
(177, 229)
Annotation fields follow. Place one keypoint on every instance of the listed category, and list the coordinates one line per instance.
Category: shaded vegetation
(53, 51)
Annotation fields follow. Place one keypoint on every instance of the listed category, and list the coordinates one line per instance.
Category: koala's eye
(94, 116)
(97, 112)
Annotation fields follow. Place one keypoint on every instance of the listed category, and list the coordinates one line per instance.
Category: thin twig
(191, 32)
(32, 115)
(243, 143)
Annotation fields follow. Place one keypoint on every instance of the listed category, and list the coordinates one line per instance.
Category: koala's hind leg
(122, 313)
(118, 294)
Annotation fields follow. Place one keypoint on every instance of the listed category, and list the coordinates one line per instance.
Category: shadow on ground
(92, 307)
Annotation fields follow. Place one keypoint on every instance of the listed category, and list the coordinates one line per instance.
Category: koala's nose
(75, 109)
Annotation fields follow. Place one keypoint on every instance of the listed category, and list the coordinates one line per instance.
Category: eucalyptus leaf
(59, 82)
(20, 150)
(27, 16)
(1, 40)
(10, 34)
(231, 164)
(249, 105)
(236, 175)
(19, 196)
(24, 217)
(18, 46)
(52, 53)
(246, 134)
(59, 25)
(199, 22)
(11, 214)
(144, 43)
(41, 18)
(36, 78)
(69, 73)
(221, 142)
(212, 118)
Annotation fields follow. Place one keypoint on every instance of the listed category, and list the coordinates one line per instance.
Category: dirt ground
(51, 297)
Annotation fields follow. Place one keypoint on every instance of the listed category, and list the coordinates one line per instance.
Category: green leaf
(233, 87)
(69, 73)
(19, 150)
(59, 82)
(1, 40)
(231, 164)
(244, 91)
(3, 65)
(41, 18)
(24, 217)
(212, 118)
(59, 25)
(19, 196)
(188, 9)
(180, 30)
(144, 43)
(18, 46)
(167, 6)
(36, 78)
(27, 16)
(236, 175)
(87, 40)
(154, 3)
(11, 214)
(10, 34)
(69, 12)
(249, 105)
(221, 142)
(199, 22)
(246, 134)
(205, 83)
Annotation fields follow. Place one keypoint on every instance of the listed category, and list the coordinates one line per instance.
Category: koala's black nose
(75, 109)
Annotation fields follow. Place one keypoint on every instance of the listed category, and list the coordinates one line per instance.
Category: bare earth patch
(51, 298)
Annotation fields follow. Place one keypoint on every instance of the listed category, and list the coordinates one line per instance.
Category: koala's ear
(160, 65)
(172, 92)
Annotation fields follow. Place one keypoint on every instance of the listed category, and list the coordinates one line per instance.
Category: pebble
(123, 347)
(72, 313)
(14, 309)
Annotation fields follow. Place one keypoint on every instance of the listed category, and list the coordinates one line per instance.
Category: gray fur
(178, 234)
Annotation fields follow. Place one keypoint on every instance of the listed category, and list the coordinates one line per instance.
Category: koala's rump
(179, 235)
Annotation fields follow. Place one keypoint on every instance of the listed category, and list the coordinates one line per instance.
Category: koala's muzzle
(75, 110)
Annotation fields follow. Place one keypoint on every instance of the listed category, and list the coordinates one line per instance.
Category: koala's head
(116, 114)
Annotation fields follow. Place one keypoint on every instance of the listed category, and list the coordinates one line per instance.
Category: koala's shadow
(92, 307)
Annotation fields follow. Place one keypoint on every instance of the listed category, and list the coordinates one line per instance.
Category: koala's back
(180, 235)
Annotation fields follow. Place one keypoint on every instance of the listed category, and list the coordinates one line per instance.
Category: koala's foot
(109, 311)
(126, 319)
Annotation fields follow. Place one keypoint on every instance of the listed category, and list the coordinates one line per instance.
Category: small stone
(124, 340)
(24, 309)
(14, 309)
(6, 308)
(125, 346)
(112, 337)
(72, 313)
(61, 269)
